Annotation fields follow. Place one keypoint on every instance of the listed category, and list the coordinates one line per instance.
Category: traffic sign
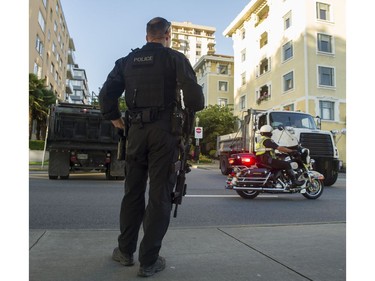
(198, 132)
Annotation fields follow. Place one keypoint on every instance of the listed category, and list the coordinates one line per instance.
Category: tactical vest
(260, 149)
(148, 81)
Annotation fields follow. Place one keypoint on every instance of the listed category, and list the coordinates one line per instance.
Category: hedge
(36, 144)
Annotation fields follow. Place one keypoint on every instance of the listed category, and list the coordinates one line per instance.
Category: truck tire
(224, 167)
(331, 179)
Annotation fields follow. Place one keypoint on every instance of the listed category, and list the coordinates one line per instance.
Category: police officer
(150, 77)
(265, 152)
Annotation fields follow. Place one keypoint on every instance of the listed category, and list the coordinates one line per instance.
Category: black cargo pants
(150, 153)
(274, 163)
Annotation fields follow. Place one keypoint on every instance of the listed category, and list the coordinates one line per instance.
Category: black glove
(295, 153)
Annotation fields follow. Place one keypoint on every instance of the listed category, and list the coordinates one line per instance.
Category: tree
(40, 99)
(216, 121)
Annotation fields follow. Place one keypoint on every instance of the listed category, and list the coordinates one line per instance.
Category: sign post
(198, 135)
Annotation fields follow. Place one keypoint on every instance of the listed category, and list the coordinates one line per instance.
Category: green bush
(213, 153)
(36, 145)
(204, 159)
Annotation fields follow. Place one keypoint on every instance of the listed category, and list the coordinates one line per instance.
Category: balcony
(69, 71)
(71, 57)
(68, 87)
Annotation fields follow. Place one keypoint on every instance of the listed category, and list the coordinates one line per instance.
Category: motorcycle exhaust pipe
(241, 188)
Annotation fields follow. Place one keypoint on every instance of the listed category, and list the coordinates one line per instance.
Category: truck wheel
(224, 167)
(330, 180)
(247, 194)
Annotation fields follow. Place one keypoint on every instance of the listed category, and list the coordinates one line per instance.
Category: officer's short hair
(157, 27)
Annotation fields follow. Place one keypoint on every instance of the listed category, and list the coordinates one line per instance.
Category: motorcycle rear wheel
(314, 189)
(247, 194)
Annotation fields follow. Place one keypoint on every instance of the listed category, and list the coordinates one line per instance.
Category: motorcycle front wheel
(247, 194)
(314, 189)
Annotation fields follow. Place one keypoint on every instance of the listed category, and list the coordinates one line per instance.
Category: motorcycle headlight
(294, 165)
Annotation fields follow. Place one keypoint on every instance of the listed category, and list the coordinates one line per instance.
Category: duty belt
(147, 115)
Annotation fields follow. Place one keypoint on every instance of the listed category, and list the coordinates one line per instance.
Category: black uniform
(150, 77)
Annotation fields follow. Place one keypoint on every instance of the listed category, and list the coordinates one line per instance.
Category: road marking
(222, 196)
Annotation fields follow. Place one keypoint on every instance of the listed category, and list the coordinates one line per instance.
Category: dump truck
(301, 128)
(79, 139)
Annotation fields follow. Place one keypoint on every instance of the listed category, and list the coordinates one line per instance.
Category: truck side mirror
(318, 122)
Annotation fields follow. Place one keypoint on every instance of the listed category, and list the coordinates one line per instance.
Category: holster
(123, 135)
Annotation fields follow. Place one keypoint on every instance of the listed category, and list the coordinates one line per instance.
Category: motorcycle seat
(261, 165)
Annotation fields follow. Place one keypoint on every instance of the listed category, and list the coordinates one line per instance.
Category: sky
(104, 31)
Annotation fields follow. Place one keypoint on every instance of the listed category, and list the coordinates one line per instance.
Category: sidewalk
(274, 252)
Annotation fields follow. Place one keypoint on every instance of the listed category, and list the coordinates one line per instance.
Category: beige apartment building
(215, 74)
(193, 40)
(51, 50)
(291, 55)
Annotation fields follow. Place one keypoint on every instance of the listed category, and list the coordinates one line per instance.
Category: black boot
(292, 176)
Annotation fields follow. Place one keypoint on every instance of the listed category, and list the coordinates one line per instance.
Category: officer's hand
(295, 153)
(118, 123)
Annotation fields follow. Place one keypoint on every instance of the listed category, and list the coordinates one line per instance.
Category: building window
(243, 33)
(38, 70)
(326, 76)
(323, 11)
(288, 83)
(287, 50)
(243, 102)
(39, 46)
(222, 102)
(223, 69)
(263, 93)
(287, 20)
(54, 48)
(41, 20)
(264, 66)
(45, 3)
(243, 78)
(327, 110)
(263, 40)
(223, 86)
(325, 43)
(243, 55)
(52, 68)
(55, 27)
(289, 107)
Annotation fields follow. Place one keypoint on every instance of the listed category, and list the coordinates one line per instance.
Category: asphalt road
(88, 201)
